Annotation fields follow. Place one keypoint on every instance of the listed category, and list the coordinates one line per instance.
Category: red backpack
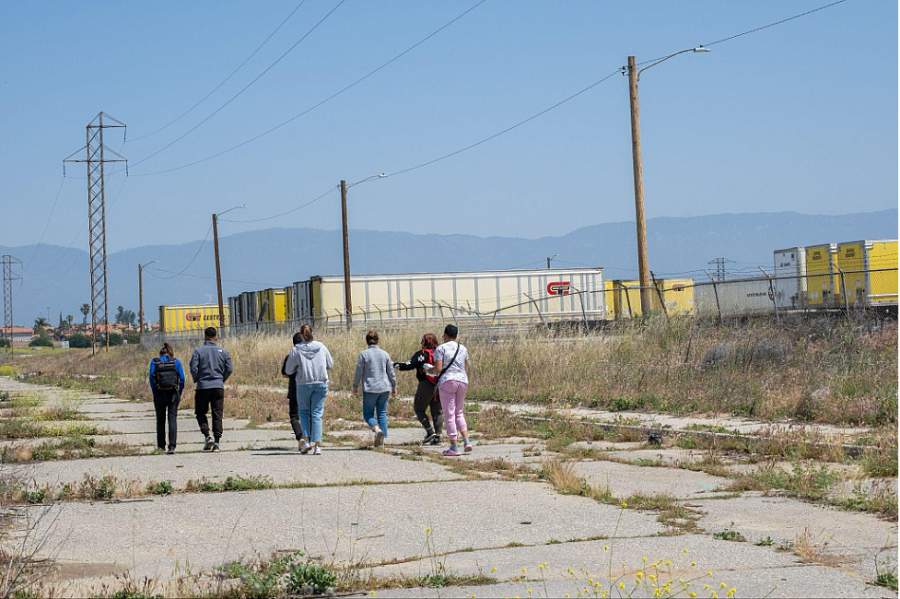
(429, 359)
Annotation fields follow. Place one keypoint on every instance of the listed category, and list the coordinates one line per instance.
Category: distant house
(20, 335)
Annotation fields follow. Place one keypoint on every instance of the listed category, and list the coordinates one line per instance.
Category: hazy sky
(802, 116)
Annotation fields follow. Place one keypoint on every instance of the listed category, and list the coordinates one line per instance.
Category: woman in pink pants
(450, 361)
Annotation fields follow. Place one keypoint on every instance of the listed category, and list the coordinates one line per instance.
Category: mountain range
(57, 278)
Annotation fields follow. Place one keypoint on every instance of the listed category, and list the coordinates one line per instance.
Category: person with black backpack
(422, 362)
(166, 383)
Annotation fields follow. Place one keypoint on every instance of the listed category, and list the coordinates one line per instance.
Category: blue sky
(802, 116)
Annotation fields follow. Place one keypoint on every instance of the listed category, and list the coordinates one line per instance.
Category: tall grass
(822, 370)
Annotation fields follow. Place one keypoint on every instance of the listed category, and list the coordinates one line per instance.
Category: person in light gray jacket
(309, 363)
(375, 370)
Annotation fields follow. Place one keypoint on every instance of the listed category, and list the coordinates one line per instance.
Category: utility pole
(141, 292)
(550, 259)
(9, 276)
(95, 159)
(348, 309)
(215, 225)
(643, 265)
(720, 267)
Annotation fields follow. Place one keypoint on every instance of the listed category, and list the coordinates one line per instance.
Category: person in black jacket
(425, 396)
(293, 407)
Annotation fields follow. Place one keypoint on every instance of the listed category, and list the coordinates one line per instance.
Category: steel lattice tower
(8, 277)
(95, 158)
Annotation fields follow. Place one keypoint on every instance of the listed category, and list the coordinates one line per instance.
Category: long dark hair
(167, 350)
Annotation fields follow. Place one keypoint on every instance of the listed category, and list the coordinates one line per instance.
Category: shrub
(308, 579)
(133, 337)
(79, 340)
(4, 342)
(7, 370)
(115, 339)
(161, 488)
(41, 342)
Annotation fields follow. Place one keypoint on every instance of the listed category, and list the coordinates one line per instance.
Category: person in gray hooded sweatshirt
(309, 363)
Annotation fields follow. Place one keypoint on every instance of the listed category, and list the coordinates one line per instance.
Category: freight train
(821, 277)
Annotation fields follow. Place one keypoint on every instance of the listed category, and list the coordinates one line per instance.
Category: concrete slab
(858, 537)
(284, 466)
(148, 425)
(670, 456)
(382, 522)
(807, 581)
(626, 479)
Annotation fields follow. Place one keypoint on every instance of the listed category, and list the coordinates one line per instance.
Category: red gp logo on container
(193, 316)
(558, 288)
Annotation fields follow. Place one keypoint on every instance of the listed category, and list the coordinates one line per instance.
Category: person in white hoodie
(309, 363)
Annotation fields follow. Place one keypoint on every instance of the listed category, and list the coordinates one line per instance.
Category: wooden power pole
(348, 304)
(643, 266)
(218, 271)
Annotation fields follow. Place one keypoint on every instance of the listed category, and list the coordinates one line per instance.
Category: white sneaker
(317, 450)
(305, 446)
(379, 436)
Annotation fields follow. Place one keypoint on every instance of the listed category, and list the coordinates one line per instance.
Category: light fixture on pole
(348, 304)
(550, 259)
(215, 218)
(643, 265)
(141, 293)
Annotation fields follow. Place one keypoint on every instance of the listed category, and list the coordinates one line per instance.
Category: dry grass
(819, 370)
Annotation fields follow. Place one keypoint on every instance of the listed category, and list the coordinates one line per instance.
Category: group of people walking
(440, 370)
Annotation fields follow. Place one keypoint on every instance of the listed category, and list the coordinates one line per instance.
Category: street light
(141, 291)
(549, 259)
(215, 218)
(643, 266)
(348, 305)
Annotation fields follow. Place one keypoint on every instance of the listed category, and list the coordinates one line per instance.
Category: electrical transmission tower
(95, 158)
(8, 263)
(720, 267)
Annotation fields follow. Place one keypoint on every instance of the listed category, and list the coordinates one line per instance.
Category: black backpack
(165, 375)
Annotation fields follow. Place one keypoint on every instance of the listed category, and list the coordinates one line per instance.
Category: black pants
(166, 404)
(295, 416)
(425, 399)
(203, 400)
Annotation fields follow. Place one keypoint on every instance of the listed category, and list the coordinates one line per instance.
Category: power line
(202, 277)
(326, 100)
(243, 89)
(257, 220)
(46, 224)
(508, 129)
(224, 81)
(197, 253)
(748, 32)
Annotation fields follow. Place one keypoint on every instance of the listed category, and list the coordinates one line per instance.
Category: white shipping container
(234, 312)
(790, 277)
(489, 296)
(737, 297)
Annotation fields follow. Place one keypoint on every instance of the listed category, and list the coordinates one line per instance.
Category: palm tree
(85, 309)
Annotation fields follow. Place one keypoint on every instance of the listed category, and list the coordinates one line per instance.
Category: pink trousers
(453, 398)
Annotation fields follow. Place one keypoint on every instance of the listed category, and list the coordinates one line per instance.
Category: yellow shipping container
(173, 319)
(623, 298)
(869, 272)
(272, 304)
(821, 268)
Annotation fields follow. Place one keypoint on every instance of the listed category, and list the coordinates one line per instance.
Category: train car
(302, 302)
(272, 305)
(288, 302)
(735, 297)
(869, 270)
(175, 319)
(821, 268)
(234, 311)
(790, 278)
(249, 307)
(489, 297)
(623, 298)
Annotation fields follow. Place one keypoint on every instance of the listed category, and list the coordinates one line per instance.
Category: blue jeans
(311, 406)
(373, 402)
